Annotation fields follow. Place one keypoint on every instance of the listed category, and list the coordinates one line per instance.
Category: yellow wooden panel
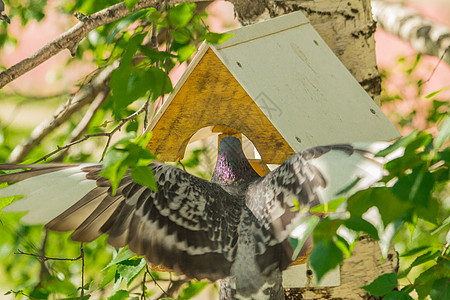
(211, 96)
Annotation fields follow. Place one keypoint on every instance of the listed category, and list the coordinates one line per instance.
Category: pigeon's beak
(4, 17)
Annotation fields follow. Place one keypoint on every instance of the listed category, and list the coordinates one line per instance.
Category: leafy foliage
(411, 213)
(145, 46)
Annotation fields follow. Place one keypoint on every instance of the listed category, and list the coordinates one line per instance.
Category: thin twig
(143, 287)
(182, 165)
(23, 294)
(437, 65)
(175, 286)
(87, 118)
(82, 271)
(43, 267)
(146, 110)
(156, 283)
(63, 113)
(109, 136)
(45, 258)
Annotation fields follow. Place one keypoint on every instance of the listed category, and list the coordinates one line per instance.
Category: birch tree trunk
(424, 35)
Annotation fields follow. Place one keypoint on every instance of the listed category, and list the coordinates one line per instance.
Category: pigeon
(3, 15)
(234, 228)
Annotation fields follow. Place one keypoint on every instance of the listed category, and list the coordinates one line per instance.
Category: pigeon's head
(232, 166)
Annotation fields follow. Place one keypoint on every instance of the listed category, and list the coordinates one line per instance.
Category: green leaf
(143, 139)
(144, 176)
(387, 236)
(400, 164)
(344, 245)
(326, 229)
(193, 289)
(301, 232)
(359, 224)
(110, 275)
(130, 4)
(128, 83)
(156, 55)
(444, 133)
(185, 52)
(414, 251)
(120, 295)
(325, 257)
(328, 207)
(130, 269)
(440, 289)
(114, 173)
(5, 201)
(63, 287)
(422, 140)
(432, 94)
(360, 202)
(391, 208)
(217, 38)
(429, 256)
(158, 81)
(398, 144)
(440, 227)
(181, 35)
(382, 285)
(123, 255)
(415, 187)
(133, 45)
(397, 295)
(180, 15)
(113, 156)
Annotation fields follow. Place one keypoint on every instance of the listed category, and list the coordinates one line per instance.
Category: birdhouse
(276, 82)
(280, 85)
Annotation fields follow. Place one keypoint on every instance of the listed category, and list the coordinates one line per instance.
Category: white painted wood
(296, 277)
(271, 27)
(302, 87)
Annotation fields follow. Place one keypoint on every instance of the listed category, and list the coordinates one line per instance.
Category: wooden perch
(424, 35)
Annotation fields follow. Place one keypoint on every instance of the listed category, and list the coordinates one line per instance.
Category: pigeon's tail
(272, 289)
(47, 190)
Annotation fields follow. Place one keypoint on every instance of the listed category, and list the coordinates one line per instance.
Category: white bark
(424, 35)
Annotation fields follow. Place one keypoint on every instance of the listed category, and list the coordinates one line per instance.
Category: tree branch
(109, 135)
(45, 258)
(63, 113)
(424, 35)
(71, 38)
(84, 123)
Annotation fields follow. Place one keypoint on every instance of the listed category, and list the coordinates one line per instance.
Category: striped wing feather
(312, 177)
(188, 225)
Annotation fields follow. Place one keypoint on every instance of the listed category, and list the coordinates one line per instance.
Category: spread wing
(311, 177)
(188, 225)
